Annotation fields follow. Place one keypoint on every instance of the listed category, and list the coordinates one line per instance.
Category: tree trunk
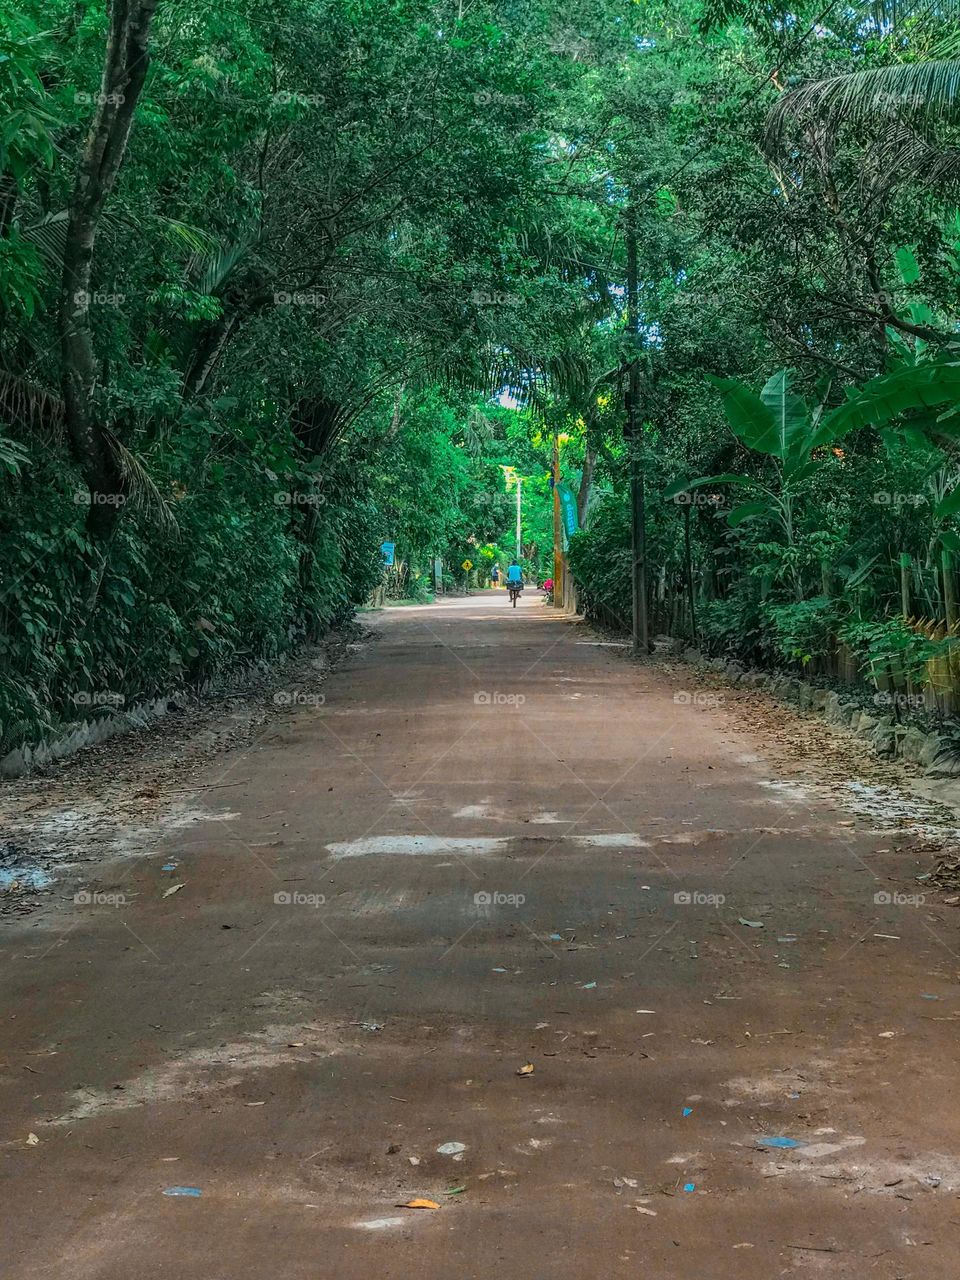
(586, 483)
(905, 584)
(688, 566)
(949, 589)
(124, 71)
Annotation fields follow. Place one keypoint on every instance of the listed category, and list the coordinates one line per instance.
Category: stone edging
(886, 737)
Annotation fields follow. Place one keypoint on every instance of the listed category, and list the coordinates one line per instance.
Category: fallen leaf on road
(526, 1069)
(174, 888)
(651, 1213)
(419, 1204)
(32, 1140)
(750, 924)
(455, 1191)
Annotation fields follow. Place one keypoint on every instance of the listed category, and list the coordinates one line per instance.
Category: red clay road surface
(495, 843)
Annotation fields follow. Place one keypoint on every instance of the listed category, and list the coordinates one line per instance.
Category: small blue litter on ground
(689, 1186)
(555, 937)
(499, 970)
(169, 866)
(688, 1111)
(793, 1095)
(588, 986)
(925, 996)
(183, 1191)
(777, 1142)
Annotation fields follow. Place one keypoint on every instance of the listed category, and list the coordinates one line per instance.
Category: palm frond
(141, 486)
(49, 234)
(211, 268)
(24, 403)
(900, 154)
(920, 91)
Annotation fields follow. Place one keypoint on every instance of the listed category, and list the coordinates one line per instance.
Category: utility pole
(557, 529)
(638, 537)
(519, 537)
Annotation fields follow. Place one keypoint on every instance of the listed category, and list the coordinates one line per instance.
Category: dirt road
(494, 843)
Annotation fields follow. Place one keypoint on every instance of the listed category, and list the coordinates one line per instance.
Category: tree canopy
(283, 279)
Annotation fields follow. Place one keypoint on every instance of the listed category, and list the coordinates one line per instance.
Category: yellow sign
(467, 564)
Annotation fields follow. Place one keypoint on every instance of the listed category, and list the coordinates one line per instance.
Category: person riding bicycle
(515, 576)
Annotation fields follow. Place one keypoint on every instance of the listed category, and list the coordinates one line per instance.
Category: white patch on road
(200, 1072)
(484, 809)
(613, 840)
(431, 845)
(417, 845)
(379, 1224)
(178, 820)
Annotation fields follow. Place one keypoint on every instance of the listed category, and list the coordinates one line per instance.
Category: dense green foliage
(253, 292)
(283, 280)
(798, 240)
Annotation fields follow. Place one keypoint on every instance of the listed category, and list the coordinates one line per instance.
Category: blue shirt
(514, 573)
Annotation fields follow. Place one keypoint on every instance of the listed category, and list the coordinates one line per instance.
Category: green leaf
(682, 486)
(790, 415)
(907, 265)
(746, 511)
(948, 505)
(886, 397)
(750, 419)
